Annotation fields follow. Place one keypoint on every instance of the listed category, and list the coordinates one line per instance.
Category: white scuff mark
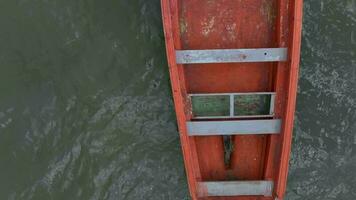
(208, 26)
(231, 30)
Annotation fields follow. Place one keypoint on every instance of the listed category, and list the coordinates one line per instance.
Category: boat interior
(233, 60)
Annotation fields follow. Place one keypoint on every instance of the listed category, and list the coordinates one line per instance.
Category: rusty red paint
(230, 24)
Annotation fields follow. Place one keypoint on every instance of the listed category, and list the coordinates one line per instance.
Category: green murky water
(86, 109)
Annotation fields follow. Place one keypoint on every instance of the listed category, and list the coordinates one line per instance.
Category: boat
(233, 67)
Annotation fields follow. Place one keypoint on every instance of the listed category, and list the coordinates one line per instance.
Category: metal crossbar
(235, 188)
(242, 127)
(231, 55)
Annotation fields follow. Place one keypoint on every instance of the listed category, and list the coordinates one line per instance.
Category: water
(86, 109)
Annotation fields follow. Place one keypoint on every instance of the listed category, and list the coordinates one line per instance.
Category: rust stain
(268, 9)
(183, 26)
(188, 106)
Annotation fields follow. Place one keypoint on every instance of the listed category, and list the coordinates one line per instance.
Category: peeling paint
(268, 9)
(231, 31)
(207, 26)
(183, 26)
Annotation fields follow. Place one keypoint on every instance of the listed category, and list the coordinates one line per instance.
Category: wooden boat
(234, 68)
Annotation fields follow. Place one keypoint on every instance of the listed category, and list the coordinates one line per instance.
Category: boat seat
(231, 55)
(240, 127)
(235, 188)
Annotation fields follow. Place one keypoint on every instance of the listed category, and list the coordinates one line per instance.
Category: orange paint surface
(235, 24)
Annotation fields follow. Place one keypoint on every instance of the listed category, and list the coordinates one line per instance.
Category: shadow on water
(86, 109)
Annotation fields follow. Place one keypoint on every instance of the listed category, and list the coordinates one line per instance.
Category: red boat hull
(235, 24)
